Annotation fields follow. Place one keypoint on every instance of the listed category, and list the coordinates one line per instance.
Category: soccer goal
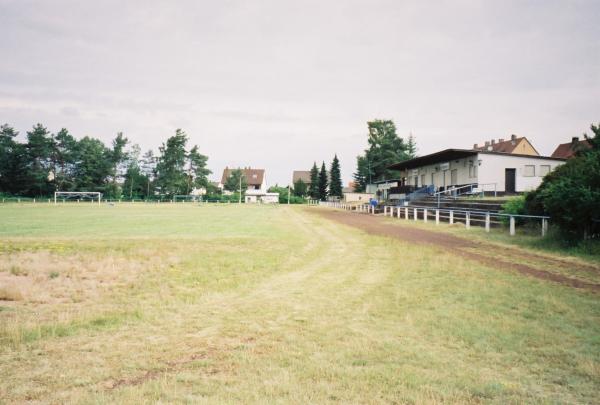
(92, 196)
(187, 197)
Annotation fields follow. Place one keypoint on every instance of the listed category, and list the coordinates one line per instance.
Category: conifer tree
(335, 179)
(323, 183)
(313, 189)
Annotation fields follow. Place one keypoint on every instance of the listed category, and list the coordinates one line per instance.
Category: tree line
(322, 185)
(47, 162)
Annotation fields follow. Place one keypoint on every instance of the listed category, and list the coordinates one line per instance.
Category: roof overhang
(438, 157)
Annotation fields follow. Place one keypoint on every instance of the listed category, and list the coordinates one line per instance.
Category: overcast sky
(280, 84)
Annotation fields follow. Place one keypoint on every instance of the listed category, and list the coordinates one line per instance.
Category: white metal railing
(426, 213)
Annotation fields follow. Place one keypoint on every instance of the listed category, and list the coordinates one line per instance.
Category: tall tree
(13, 162)
(148, 170)
(117, 159)
(335, 179)
(39, 150)
(236, 181)
(64, 154)
(323, 183)
(93, 168)
(313, 188)
(385, 148)
(134, 183)
(170, 170)
(197, 172)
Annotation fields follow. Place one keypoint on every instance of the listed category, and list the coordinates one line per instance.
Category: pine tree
(361, 176)
(335, 179)
(313, 188)
(323, 183)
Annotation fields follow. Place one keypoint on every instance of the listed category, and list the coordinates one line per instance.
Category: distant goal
(92, 196)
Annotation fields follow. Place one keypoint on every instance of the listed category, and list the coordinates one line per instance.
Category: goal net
(188, 197)
(92, 196)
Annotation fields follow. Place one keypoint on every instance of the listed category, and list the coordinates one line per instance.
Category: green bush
(515, 206)
(570, 194)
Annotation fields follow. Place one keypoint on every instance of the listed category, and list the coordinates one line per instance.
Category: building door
(510, 181)
(433, 179)
(416, 181)
(454, 177)
(444, 179)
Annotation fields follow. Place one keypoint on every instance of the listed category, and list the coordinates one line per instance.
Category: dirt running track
(377, 225)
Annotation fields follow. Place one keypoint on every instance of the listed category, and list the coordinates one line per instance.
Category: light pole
(240, 199)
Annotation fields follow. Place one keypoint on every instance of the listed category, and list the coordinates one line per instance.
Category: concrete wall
(358, 197)
(492, 170)
(443, 178)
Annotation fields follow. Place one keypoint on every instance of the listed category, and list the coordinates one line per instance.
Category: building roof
(503, 146)
(303, 175)
(254, 177)
(568, 150)
(442, 156)
(453, 154)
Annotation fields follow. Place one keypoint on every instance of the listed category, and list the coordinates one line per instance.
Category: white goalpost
(79, 195)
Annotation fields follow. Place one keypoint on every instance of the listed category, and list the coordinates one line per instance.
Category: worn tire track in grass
(377, 225)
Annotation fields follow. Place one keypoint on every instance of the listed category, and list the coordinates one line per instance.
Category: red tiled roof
(568, 150)
(254, 177)
(507, 146)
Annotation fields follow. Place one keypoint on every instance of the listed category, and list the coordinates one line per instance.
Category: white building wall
(443, 177)
(492, 170)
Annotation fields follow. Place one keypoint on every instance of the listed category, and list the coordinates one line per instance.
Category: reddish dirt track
(377, 225)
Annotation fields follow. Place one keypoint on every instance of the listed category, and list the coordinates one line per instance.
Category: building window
(544, 170)
(529, 171)
(472, 171)
(422, 180)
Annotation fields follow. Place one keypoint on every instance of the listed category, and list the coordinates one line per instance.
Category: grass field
(228, 304)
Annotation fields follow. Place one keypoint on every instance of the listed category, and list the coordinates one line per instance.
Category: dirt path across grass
(378, 225)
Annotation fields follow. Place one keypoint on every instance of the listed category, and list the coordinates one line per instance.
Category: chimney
(513, 137)
(575, 139)
(475, 146)
(493, 142)
(487, 143)
(501, 140)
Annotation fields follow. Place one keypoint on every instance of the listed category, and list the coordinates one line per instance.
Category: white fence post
(425, 215)
(512, 226)
(398, 212)
(544, 227)
(487, 221)
(406, 213)
(416, 212)
(468, 220)
(451, 217)
(437, 217)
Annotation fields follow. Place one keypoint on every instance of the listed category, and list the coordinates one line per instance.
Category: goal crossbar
(95, 194)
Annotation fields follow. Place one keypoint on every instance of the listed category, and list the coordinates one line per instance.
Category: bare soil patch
(376, 225)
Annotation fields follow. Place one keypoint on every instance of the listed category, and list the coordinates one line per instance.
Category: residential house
(255, 178)
(569, 149)
(303, 175)
(515, 145)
